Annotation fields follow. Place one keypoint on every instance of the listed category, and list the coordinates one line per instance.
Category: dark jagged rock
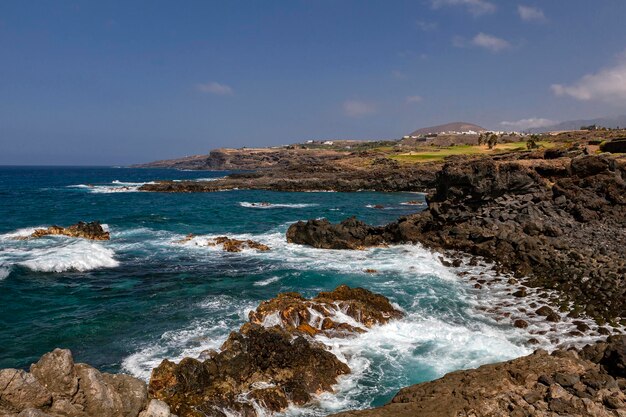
(258, 365)
(349, 234)
(561, 222)
(617, 145)
(563, 383)
(91, 230)
(57, 387)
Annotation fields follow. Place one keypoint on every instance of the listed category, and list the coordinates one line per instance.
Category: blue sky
(119, 82)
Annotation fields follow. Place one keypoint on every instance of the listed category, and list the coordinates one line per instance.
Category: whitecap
(115, 186)
(54, 253)
(265, 205)
(268, 281)
(4, 272)
(74, 256)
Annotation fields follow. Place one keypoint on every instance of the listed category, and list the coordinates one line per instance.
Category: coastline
(469, 190)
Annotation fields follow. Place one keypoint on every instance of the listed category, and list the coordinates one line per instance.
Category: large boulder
(57, 387)
(349, 234)
(614, 146)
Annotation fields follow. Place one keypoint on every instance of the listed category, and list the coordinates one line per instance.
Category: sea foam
(53, 253)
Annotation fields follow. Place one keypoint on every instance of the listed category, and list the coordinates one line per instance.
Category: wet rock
(91, 230)
(520, 324)
(263, 364)
(291, 311)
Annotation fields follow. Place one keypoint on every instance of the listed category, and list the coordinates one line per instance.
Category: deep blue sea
(126, 304)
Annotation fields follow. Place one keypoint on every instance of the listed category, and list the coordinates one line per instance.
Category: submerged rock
(227, 243)
(91, 230)
(57, 387)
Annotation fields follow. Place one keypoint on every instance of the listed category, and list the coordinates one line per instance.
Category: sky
(122, 82)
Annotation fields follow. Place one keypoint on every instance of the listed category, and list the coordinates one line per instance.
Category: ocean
(126, 304)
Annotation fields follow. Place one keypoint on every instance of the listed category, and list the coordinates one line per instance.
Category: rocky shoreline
(345, 175)
(546, 221)
(275, 361)
(554, 223)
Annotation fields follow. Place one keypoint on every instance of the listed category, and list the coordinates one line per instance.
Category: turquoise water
(126, 304)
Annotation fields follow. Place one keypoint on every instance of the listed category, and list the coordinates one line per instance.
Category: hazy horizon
(117, 83)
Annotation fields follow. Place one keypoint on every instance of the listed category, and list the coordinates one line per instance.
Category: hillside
(449, 127)
(608, 122)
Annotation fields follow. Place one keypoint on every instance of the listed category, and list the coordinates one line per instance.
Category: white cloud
(215, 88)
(358, 108)
(425, 25)
(413, 99)
(398, 75)
(608, 84)
(482, 40)
(490, 42)
(531, 14)
(532, 123)
(475, 7)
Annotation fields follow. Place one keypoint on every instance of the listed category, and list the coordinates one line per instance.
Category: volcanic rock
(91, 230)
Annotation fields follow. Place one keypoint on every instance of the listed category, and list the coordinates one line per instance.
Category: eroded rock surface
(91, 230)
(57, 387)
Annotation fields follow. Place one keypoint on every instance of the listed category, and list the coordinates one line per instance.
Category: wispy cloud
(482, 40)
(358, 108)
(608, 84)
(215, 88)
(531, 14)
(413, 99)
(474, 7)
(398, 75)
(532, 123)
(426, 26)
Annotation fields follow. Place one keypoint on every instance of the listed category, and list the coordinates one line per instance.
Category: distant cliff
(246, 159)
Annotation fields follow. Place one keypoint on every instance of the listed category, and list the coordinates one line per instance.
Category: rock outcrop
(57, 387)
(227, 243)
(560, 222)
(617, 145)
(564, 383)
(297, 314)
(91, 230)
(273, 360)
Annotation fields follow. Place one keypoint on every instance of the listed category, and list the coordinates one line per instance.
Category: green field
(427, 153)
